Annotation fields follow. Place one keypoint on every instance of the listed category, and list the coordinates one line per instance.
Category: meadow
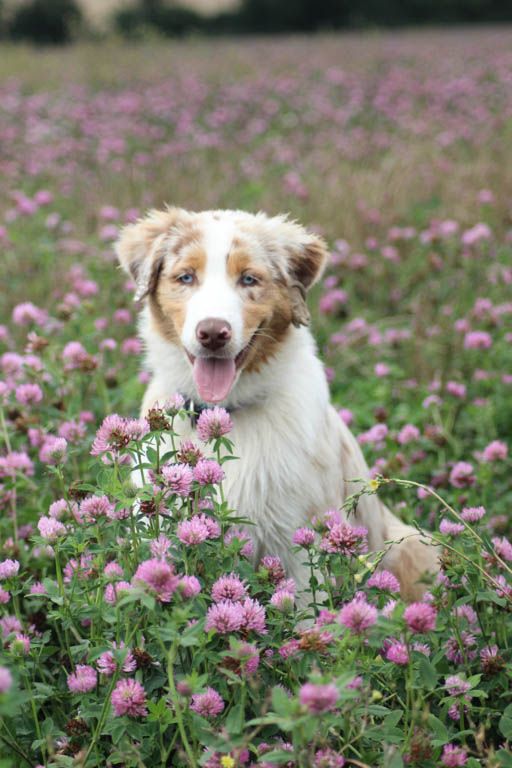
(125, 646)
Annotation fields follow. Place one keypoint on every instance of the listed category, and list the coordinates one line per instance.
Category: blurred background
(383, 124)
(60, 21)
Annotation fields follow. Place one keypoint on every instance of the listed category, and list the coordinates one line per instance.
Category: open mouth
(214, 376)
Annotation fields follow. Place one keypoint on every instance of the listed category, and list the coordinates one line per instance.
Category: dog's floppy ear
(306, 263)
(138, 248)
(302, 258)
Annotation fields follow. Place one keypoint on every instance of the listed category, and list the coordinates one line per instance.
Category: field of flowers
(132, 644)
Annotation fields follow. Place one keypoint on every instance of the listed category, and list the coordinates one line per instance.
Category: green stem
(409, 696)
(312, 583)
(103, 717)
(221, 489)
(5, 433)
(139, 457)
(62, 592)
(327, 583)
(455, 514)
(15, 748)
(12, 499)
(175, 700)
(14, 743)
(62, 484)
(167, 752)
(173, 441)
(28, 686)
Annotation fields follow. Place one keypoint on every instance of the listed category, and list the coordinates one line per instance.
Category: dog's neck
(289, 374)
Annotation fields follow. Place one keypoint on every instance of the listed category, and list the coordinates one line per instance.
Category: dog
(224, 321)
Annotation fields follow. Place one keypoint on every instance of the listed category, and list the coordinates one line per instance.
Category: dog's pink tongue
(214, 378)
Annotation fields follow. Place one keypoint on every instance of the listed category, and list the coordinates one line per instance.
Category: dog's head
(225, 286)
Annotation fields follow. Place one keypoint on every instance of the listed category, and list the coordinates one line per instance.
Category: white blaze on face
(216, 297)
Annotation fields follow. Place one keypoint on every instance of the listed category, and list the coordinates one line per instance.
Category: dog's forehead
(218, 239)
(217, 235)
(221, 243)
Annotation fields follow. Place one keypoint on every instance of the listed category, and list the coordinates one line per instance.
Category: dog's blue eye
(248, 280)
(186, 278)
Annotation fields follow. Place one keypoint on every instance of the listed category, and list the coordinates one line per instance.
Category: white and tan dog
(225, 321)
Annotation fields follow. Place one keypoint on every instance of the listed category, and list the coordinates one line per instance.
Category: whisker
(264, 334)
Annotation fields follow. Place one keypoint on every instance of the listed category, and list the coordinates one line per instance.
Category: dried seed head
(148, 507)
(76, 727)
(157, 420)
(142, 658)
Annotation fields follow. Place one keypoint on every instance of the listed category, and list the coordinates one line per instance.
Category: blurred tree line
(60, 21)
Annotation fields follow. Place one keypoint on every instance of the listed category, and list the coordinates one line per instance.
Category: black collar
(195, 409)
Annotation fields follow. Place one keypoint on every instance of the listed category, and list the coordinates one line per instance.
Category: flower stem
(12, 496)
(175, 700)
(101, 721)
(457, 516)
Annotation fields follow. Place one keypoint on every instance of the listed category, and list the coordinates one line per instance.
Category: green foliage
(280, 16)
(50, 22)
(45, 23)
(158, 17)
(300, 16)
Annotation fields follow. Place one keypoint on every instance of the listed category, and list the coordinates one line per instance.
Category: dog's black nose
(213, 333)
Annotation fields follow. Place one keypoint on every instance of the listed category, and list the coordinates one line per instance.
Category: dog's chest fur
(285, 432)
